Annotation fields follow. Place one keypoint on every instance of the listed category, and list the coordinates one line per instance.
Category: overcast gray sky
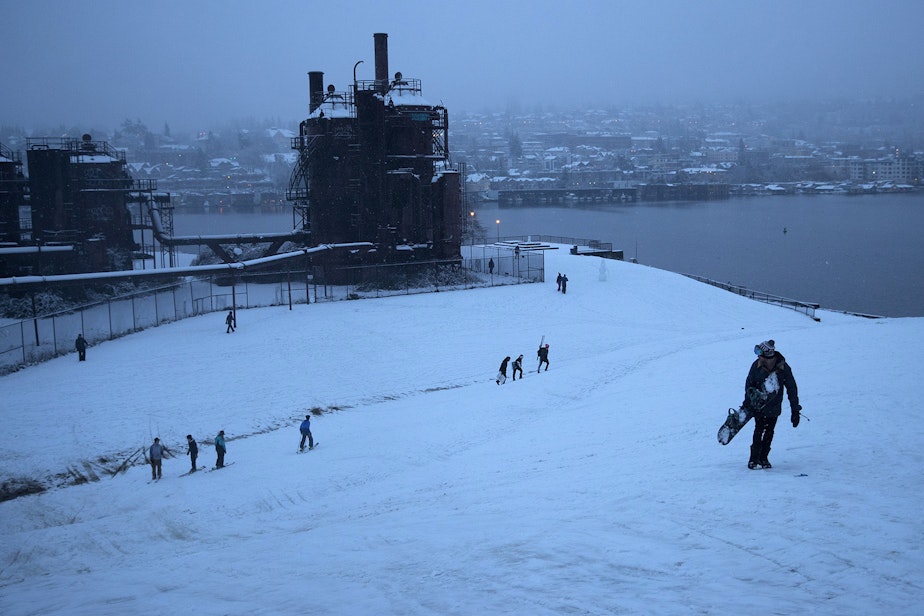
(193, 63)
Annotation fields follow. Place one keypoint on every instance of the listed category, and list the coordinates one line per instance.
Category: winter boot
(764, 462)
(755, 454)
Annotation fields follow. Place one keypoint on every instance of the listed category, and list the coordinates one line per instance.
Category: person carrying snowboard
(763, 395)
(518, 366)
(502, 372)
(543, 355)
(192, 450)
(305, 429)
(220, 449)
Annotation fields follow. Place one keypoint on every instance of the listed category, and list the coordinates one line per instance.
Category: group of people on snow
(542, 354)
(562, 281)
(157, 451)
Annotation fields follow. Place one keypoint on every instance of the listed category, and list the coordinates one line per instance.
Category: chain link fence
(43, 337)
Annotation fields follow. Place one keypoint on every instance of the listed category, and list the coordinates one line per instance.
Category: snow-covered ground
(597, 487)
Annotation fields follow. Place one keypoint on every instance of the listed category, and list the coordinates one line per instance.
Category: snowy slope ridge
(597, 487)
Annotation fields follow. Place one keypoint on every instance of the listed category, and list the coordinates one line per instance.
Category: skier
(543, 355)
(518, 366)
(564, 283)
(763, 389)
(558, 280)
(81, 346)
(192, 450)
(305, 429)
(502, 372)
(220, 449)
(231, 321)
(156, 454)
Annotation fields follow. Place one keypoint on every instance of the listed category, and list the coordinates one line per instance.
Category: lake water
(855, 253)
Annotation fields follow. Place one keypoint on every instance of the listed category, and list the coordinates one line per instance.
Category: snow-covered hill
(597, 487)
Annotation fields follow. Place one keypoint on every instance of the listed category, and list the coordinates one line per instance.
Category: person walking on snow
(305, 429)
(156, 454)
(502, 372)
(518, 366)
(231, 321)
(558, 280)
(564, 283)
(81, 346)
(763, 395)
(543, 355)
(192, 450)
(220, 449)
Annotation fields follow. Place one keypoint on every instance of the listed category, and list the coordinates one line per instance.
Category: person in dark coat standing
(305, 429)
(558, 280)
(502, 372)
(156, 455)
(81, 346)
(518, 366)
(543, 355)
(220, 449)
(763, 389)
(564, 283)
(491, 266)
(192, 450)
(231, 321)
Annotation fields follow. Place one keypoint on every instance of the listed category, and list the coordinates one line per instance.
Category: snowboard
(309, 449)
(736, 420)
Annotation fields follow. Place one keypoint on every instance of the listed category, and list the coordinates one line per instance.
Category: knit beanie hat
(765, 348)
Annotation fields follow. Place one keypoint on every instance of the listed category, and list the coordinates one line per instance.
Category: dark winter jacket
(81, 344)
(192, 448)
(305, 428)
(763, 389)
(543, 354)
(503, 366)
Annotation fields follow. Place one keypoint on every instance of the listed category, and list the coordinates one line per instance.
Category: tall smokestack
(381, 62)
(315, 90)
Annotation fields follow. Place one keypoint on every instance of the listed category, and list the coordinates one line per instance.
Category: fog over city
(191, 64)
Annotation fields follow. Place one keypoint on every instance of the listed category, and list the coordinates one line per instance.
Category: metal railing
(806, 308)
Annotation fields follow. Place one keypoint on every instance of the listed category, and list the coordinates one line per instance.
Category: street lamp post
(498, 229)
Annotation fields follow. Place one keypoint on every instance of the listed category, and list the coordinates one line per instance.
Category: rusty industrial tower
(373, 166)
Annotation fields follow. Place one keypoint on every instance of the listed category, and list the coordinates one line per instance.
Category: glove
(795, 416)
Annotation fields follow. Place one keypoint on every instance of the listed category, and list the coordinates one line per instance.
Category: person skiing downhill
(502, 372)
(518, 367)
(543, 355)
(305, 429)
(763, 395)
